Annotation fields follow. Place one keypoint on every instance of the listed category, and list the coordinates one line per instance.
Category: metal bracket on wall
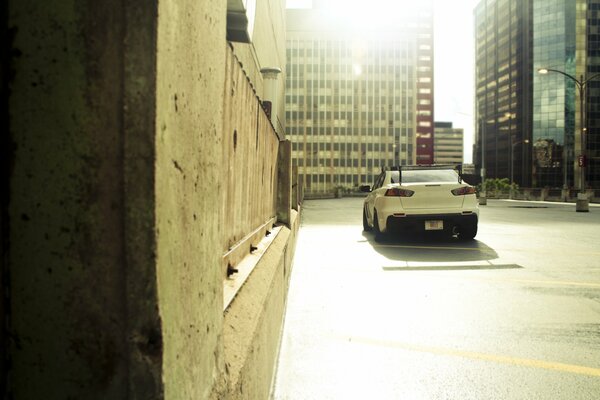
(248, 251)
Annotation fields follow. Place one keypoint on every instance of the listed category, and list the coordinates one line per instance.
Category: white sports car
(421, 199)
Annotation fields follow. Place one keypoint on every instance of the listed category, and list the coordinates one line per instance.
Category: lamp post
(582, 200)
(509, 117)
(483, 194)
(512, 162)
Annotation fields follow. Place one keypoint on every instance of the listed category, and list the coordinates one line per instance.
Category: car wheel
(366, 226)
(468, 232)
(378, 234)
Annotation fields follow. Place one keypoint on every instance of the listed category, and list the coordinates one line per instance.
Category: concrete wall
(267, 50)
(81, 216)
(253, 321)
(189, 193)
(112, 230)
(250, 148)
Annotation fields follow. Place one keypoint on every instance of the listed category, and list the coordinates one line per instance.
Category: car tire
(468, 232)
(366, 226)
(378, 234)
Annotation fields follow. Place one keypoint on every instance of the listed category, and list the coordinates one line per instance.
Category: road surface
(514, 314)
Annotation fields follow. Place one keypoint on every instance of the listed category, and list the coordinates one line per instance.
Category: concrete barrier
(252, 323)
(260, 187)
(137, 160)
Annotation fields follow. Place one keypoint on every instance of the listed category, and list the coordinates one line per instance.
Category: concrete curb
(253, 321)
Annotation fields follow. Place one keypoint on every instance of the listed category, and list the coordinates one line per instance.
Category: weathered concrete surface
(267, 50)
(250, 149)
(253, 321)
(81, 211)
(113, 253)
(189, 193)
(284, 176)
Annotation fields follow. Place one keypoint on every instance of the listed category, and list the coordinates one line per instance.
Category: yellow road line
(564, 283)
(512, 280)
(523, 362)
(537, 281)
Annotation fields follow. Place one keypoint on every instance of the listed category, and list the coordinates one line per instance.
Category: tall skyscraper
(565, 38)
(589, 36)
(529, 123)
(358, 97)
(555, 97)
(503, 72)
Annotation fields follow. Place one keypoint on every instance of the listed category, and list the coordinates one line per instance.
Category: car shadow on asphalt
(433, 248)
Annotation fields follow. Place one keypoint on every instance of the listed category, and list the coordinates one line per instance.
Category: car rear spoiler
(457, 167)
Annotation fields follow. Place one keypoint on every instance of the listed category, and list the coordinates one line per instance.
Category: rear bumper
(416, 223)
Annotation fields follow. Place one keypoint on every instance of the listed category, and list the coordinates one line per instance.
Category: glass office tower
(566, 39)
(503, 73)
(530, 122)
(588, 36)
(555, 96)
(358, 98)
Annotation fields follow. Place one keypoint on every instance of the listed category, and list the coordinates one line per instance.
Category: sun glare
(370, 13)
(362, 13)
(453, 46)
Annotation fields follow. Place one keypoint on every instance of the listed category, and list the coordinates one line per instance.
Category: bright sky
(454, 79)
(453, 55)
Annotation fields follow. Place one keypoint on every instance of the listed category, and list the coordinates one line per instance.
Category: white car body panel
(433, 199)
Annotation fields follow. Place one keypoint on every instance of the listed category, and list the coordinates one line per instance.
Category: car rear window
(425, 175)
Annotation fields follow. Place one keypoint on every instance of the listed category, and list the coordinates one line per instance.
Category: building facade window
(358, 100)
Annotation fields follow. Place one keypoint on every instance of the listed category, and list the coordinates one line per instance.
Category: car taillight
(462, 191)
(397, 192)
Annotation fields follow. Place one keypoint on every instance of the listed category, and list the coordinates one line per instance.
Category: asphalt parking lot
(514, 314)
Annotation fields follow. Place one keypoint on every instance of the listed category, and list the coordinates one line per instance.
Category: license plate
(434, 225)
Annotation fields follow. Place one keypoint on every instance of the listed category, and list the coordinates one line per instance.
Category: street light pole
(508, 117)
(581, 85)
(483, 194)
(582, 200)
(512, 162)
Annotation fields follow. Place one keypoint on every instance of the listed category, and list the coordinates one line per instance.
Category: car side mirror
(365, 188)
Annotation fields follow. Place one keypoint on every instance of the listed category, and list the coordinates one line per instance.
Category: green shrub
(498, 186)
